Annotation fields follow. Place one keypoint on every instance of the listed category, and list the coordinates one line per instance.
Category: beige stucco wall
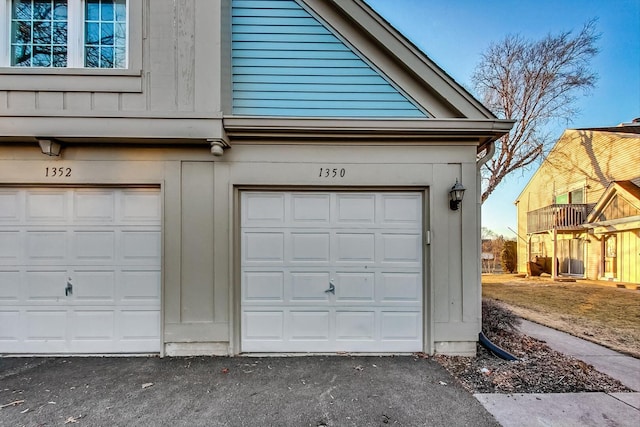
(200, 193)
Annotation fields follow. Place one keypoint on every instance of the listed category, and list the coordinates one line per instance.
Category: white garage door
(79, 270)
(331, 272)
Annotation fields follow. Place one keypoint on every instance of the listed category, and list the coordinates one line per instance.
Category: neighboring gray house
(188, 177)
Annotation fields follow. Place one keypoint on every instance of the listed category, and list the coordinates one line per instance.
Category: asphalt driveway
(216, 391)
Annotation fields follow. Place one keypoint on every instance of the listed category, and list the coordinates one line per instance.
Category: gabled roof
(406, 54)
(593, 144)
(625, 195)
(448, 106)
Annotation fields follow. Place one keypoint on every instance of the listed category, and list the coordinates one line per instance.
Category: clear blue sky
(454, 33)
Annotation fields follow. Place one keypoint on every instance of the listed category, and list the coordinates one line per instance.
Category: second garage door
(80, 270)
(331, 272)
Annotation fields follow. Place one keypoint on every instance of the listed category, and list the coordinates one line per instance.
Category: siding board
(311, 88)
(324, 79)
(307, 71)
(286, 62)
(283, 54)
(325, 112)
(259, 44)
(318, 96)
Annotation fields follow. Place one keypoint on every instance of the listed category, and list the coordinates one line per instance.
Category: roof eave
(484, 131)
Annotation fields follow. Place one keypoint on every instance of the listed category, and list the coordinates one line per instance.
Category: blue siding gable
(287, 63)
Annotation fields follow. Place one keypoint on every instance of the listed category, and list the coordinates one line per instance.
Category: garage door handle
(331, 290)
(69, 289)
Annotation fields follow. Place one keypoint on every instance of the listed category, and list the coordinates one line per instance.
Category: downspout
(491, 150)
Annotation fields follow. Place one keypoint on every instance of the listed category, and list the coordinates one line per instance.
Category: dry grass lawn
(597, 312)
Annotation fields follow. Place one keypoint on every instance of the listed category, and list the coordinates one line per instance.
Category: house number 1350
(332, 173)
(59, 172)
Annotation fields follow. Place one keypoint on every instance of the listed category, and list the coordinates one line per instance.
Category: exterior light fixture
(49, 147)
(455, 196)
(217, 146)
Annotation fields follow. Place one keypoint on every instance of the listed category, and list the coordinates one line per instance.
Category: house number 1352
(59, 172)
(332, 173)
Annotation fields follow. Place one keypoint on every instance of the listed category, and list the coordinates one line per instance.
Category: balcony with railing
(562, 217)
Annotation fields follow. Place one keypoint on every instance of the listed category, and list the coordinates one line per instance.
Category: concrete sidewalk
(572, 409)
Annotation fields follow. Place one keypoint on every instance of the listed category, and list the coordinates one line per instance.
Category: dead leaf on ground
(73, 420)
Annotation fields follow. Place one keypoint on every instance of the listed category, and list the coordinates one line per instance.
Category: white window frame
(75, 35)
(73, 78)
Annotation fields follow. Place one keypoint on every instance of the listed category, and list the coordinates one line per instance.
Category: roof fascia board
(398, 50)
(483, 130)
(621, 224)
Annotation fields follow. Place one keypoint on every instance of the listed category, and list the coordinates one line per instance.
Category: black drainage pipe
(494, 348)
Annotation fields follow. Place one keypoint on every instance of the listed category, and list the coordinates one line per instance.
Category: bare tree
(533, 83)
(492, 245)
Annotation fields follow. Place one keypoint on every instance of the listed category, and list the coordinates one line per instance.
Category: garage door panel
(263, 247)
(10, 247)
(309, 247)
(139, 206)
(106, 242)
(356, 208)
(47, 246)
(367, 245)
(47, 325)
(404, 248)
(140, 246)
(94, 286)
(46, 286)
(311, 209)
(404, 287)
(261, 286)
(263, 209)
(309, 286)
(49, 206)
(10, 286)
(355, 287)
(10, 206)
(91, 246)
(93, 325)
(139, 286)
(355, 325)
(11, 326)
(140, 324)
(263, 325)
(355, 247)
(398, 325)
(401, 210)
(308, 325)
(94, 206)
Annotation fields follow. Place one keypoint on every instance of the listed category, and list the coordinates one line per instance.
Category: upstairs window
(68, 33)
(574, 197)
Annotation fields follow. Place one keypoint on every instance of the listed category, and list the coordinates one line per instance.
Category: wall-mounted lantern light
(455, 195)
(49, 147)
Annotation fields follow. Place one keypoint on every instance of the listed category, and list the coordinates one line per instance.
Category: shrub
(509, 256)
